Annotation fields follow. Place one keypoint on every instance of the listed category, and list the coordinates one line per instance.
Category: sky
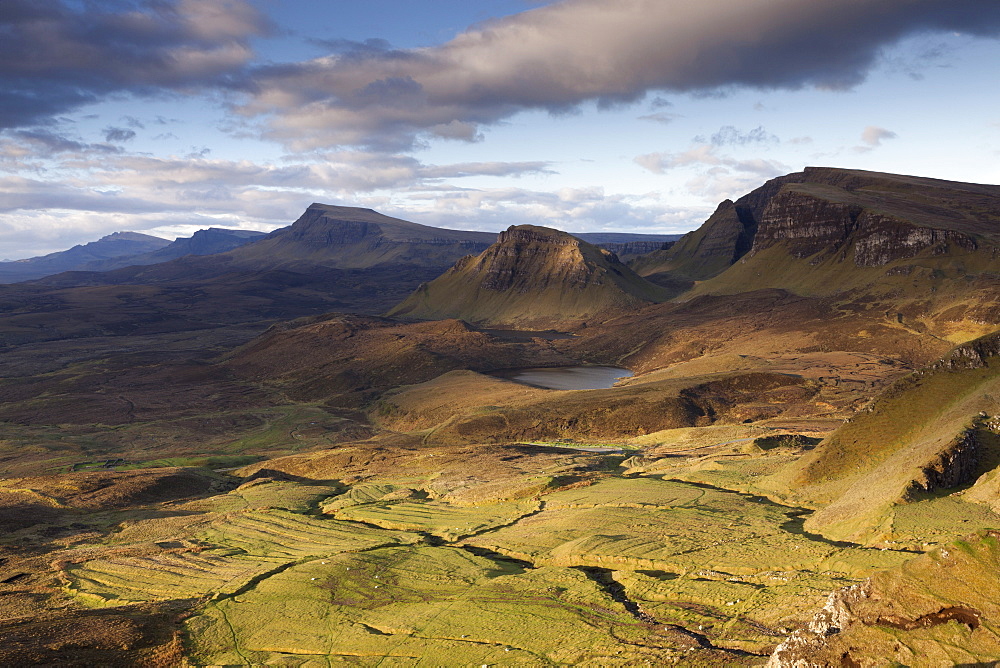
(168, 116)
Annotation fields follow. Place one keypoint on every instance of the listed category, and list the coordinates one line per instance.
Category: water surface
(567, 377)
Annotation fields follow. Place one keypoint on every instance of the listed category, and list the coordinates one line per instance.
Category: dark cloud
(113, 134)
(561, 55)
(56, 56)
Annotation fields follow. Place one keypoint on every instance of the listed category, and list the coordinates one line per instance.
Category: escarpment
(821, 221)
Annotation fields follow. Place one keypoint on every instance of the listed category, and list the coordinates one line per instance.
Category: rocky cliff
(831, 221)
(724, 238)
(817, 221)
(532, 277)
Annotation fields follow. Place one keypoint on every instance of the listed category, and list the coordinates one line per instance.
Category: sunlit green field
(470, 563)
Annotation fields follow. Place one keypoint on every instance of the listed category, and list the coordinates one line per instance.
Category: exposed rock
(936, 609)
(835, 616)
(954, 466)
(811, 220)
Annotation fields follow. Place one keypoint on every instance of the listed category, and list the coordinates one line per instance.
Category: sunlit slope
(929, 434)
(939, 609)
(532, 277)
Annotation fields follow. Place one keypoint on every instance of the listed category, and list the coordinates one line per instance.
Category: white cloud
(874, 136)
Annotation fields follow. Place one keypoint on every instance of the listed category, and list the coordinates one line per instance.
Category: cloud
(707, 154)
(56, 56)
(664, 117)
(113, 134)
(720, 176)
(561, 55)
(588, 209)
(730, 136)
(874, 136)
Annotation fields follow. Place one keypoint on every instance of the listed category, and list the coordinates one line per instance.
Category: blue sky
(586, 115)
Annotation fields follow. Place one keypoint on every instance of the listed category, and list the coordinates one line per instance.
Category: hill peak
(531, 277)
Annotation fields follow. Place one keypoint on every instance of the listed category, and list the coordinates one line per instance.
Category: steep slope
(723, 239)
(836, 220)
(837, 230)
(119, 244)
(921, 251)
(532, 277)
(928, 434)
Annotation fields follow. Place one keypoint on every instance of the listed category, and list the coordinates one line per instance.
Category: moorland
(310, 448)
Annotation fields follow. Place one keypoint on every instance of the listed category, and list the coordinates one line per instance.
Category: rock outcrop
(724, 238)
(812, 219)
(937, 609)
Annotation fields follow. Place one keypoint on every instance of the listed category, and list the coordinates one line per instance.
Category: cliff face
(813, 219)
(532, 277)
(821, 215)
(627, 250)
(724, 238)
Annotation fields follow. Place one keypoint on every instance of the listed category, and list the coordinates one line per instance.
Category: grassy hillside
(927, 435)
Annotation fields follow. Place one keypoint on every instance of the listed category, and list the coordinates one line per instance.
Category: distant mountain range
(123, 249)
(112, 247)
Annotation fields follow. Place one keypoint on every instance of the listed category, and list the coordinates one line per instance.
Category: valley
(319, 447)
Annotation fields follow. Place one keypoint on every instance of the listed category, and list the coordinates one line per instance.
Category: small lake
(567, 377)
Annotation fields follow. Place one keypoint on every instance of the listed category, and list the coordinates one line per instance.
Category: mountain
(209, 241)
(331, 259)
(532, 277)
(724, 238)
(354, 238)
(830, 216)
(117, 245)
(919, 250)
